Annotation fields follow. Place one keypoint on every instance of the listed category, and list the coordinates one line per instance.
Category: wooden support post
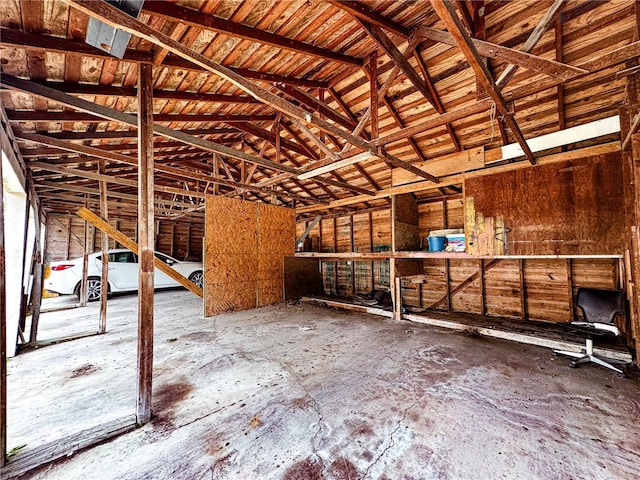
(523, 291)
(145, 243)
(3, 331)
(104, 213)
(353, 263)
(335, 249)
(85, 263)
(570, 288)
(373, 93)
(447, 275)
(67, 246)
(23, 299)
(36, 290)
(216, 173)
(373, 280)
(397, 300)
(173, 239)
(483, 307)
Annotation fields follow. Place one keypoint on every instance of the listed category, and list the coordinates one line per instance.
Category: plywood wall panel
(245, 247)
(567, 208)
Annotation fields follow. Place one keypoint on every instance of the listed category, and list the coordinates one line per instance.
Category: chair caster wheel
(573, 365)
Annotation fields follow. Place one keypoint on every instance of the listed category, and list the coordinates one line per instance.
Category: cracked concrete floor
(306, 392)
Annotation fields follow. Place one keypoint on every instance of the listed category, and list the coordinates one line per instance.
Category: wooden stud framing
(523, 291)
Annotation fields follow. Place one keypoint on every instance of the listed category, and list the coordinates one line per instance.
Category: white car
(65, 277)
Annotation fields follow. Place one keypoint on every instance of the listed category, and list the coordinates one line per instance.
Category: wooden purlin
(106, 154)
(206, 21)
(117, 19)
(48, 43)
(121, 238)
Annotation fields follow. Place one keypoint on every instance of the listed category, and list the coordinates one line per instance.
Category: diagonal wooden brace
(121, 238)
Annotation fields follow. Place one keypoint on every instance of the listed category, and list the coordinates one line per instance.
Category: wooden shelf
(345, 256)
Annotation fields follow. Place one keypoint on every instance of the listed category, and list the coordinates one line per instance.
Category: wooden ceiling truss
(309, 105)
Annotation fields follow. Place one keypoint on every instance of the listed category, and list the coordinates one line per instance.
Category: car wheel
(94, 289)
(197, 278)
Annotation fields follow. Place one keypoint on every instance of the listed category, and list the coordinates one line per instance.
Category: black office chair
(599, 310)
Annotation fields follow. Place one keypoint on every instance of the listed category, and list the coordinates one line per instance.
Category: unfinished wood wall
(568, 208)
(65, 237)
(371, 233)
(245, 246)
(535, 289)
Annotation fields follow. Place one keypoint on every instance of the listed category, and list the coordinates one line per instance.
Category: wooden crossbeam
(389, 47)
(446, 12)
(46, 116)
(118, 19)
(552, 68)
(194, 18)
(74, 88)
(47, 43)
(114, 156)
(122, 239)
(363, 12)
(533, 39)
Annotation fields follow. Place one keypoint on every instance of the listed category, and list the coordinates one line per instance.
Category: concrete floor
(306, 392)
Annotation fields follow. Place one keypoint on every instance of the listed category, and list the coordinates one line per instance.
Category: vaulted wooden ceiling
(309, 103)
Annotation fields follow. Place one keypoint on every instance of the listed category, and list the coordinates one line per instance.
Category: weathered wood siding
(65, 237)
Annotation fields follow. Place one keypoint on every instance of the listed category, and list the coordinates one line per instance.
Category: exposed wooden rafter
(552, 68)
(446, 12)
(117, 19)
(47, 43)
(194, 18)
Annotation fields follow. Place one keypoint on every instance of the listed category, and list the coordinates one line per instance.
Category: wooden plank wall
(371, 232)
(245, 246)
(522, 289)
(65, 237)
(568, 208)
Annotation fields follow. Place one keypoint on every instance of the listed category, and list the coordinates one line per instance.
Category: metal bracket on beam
(107, 38)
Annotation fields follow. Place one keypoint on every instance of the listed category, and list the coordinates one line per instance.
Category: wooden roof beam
(602, 62)
(533, 39)
(446, 12)
(74, 88)
(362, 12)
(269, 137)
(538, 64)
(388, 46)
(47, 43)
(67, 116)
(117, 19)
(133, 134)
(312, 102)
(174, 13)
(66, 186)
